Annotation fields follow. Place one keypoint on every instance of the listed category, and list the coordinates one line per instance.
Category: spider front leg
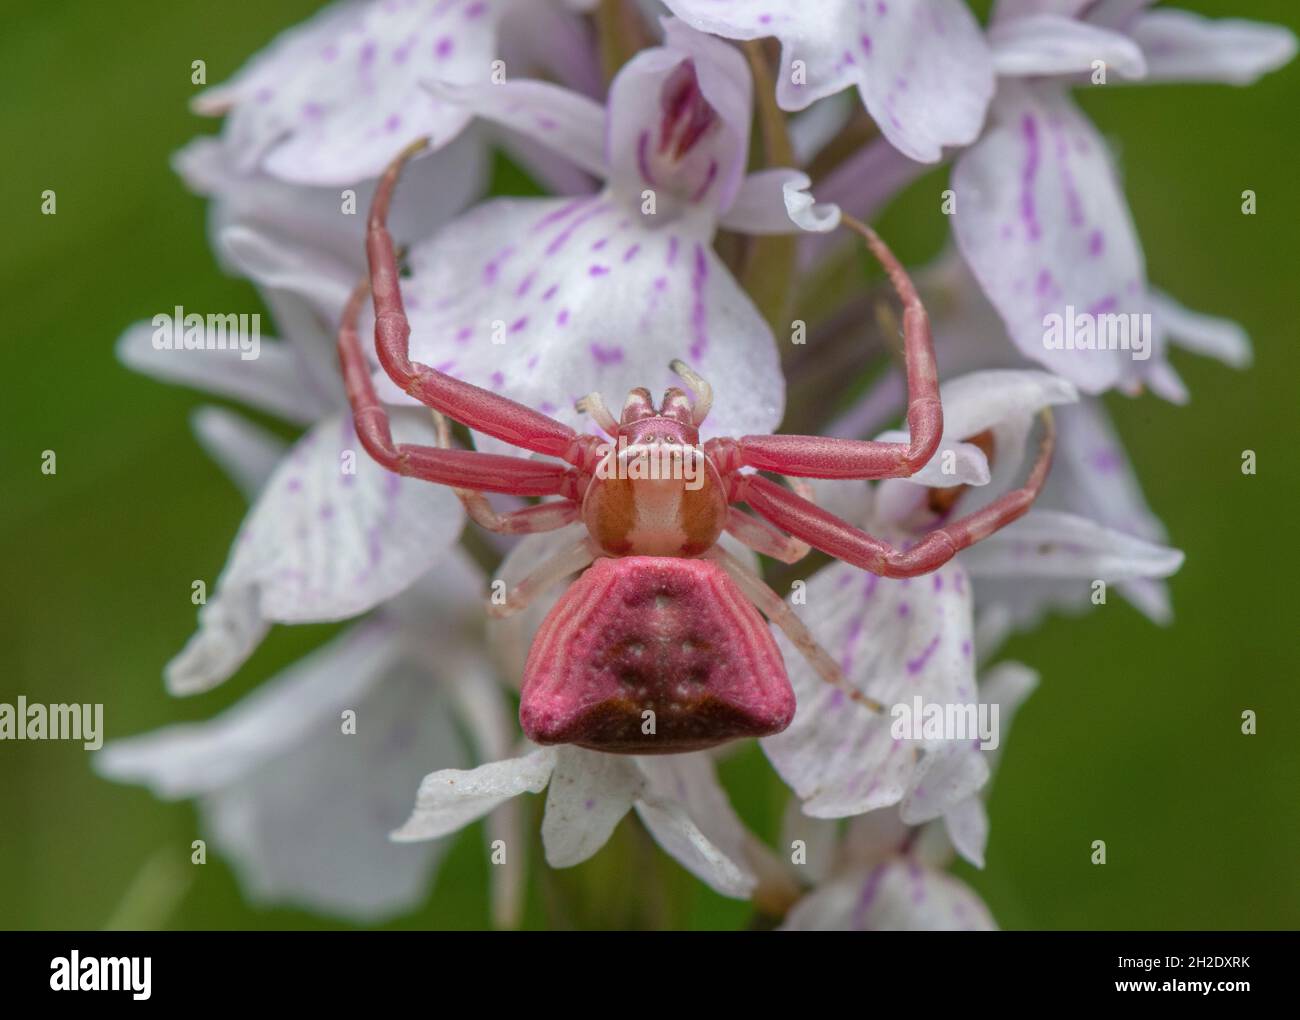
(461, 469)
(529, 521)
(842, 540)
(472, 406)
(821, 457)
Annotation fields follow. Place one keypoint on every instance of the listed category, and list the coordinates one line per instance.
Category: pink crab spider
(658, 645)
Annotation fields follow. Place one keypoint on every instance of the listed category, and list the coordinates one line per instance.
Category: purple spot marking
(563, 317)
(598, 271)
(631, 253)
(519, 324)
(550, 292)
(699, 310)
(393, 123)
(866, 43)
(475, 10)
(1106, 304)
(869, 890)
(938, 582)
(1029, 128)
(1096, 242)
(498, 380)
(607, 355)
(915, 666)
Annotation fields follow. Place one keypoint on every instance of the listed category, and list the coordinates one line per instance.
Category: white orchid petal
(545, 301)
(642, 99)
(1182, 46)
(945, 777)
(246, 452)
(894, 640)
(805, 211)
(588, 796)
(301, 806)
(763, 204)
(966, 825)
(1052, 544)
(270, 382)
(691, 781)
(675, 831)
(1207, 335)
(560, 119)
(331, 101)
(1043, 224)
(896, 895)
(451, 799)
(332, 535)
(921, 66)
(1051, 44)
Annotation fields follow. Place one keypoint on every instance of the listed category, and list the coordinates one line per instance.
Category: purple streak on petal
(563, 317)
(1029, 129)
(597, 270)
(1096, 242)
(915, 666)
(526, 283)
(498, 380)
(672, 249)
(607, 355)
(631, 253)
(709, 178)
(519, 324)
(562, 238)
(550, 292)
(869, 890)
(559, 214)
(1106, 304)
(699, 309)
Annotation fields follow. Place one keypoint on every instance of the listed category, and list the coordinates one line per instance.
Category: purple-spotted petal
(566, 121)
(1050, 44)
(588, 796)
(545, 301)
(1050, 560)
(247, 453)
(893, 640)
(1182, 46)
(899, 894)
(679, 120)
(921, 66)
(1043, 224)
(276, 774)
(271, 382)
(328, 223)
(333, 100)
(332, 535)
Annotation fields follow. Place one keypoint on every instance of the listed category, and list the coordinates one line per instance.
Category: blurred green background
(1133, 736)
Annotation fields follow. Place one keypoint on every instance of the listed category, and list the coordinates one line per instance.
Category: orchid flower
(300, 803)
(886, 872)
(677, 797)
(1056, 231)
(1091, 473)
(921, 67)
(897, 639)
(331, 534)
(331, 101)
(545, 300)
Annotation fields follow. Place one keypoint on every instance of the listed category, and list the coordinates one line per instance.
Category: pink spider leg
(778, 612)
(527, 521)
(462, 469)
(479, 409)
(829, 533)
(821, 457)
(549, 572)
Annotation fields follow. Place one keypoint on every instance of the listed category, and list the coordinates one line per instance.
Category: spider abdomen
(648, 655)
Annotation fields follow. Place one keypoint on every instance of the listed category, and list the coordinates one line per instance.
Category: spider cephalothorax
(658, 645)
